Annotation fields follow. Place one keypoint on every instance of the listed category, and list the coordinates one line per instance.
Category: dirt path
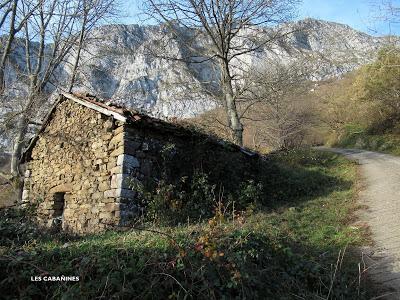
(381, 194)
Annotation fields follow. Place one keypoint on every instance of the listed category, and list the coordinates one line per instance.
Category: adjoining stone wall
(76, 154)
(139, 152)
(150, 154)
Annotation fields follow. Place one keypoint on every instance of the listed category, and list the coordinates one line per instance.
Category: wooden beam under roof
(96, 107)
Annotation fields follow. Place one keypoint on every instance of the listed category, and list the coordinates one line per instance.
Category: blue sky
(359, 14)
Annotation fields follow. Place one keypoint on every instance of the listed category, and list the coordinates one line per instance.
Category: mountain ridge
(149, 82)
(118, 65)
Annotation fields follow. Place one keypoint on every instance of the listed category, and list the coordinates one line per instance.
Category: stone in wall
(72, 157)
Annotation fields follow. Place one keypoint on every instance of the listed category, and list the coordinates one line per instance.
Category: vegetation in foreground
(300, 247)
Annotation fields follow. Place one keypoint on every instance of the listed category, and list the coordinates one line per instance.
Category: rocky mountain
(130, 64)
(120, 63)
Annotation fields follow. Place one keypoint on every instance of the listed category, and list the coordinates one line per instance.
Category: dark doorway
(58, 207)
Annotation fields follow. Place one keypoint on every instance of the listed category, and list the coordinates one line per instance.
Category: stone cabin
(81, 164)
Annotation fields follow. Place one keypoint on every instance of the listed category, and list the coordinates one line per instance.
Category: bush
(16, 225)
(194, 199)
(188, 199)
(278, 180)
(363, 139)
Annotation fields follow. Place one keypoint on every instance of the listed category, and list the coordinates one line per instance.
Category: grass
(302, 246)
(7, 192)
(7, 195)
(358, 138)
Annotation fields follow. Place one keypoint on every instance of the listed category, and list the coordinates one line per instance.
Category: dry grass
(7, 193)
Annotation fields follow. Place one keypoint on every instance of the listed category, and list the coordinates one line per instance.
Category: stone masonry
(76, 154)
(82, 165)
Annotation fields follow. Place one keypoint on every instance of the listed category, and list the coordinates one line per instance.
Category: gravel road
(380, 192)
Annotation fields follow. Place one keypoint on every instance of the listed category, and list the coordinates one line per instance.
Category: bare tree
(50, 34)
(280, 113)
(233, 28)
(91, 13)
(392, 11)
(385, 12)
(52, 22)
(16, 21)
(47, 31)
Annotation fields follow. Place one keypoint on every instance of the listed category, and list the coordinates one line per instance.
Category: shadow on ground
(254, 259)
(146, 265)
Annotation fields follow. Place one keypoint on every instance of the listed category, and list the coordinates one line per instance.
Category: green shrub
(278, 180)
(194, 199)
(250, 193)
(188, 199)
(361, 138)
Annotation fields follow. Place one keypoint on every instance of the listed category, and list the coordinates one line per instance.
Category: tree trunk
(22, 128)
(234, 122)
(7, 48)
(18, 145)
(78, 55)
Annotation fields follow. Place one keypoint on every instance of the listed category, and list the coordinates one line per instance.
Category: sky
(362, 15)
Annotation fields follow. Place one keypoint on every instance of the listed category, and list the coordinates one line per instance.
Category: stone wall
(77, 155)
(86, 165)
(139, 159)
(150, 153)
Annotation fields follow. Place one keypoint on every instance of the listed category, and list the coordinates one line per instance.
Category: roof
(126, 116)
